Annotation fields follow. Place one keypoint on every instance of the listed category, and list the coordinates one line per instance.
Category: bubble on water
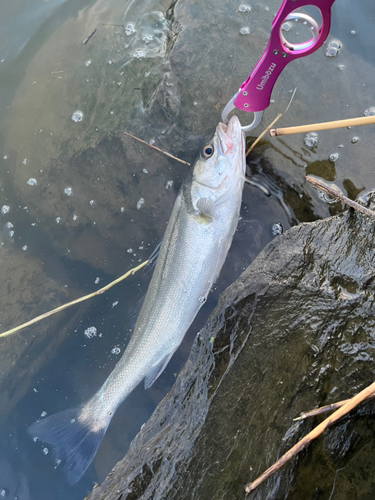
(244, 8)
(146, 38)
(130, 29)
(5, 209)
(122, 209)
(370, 111)
(202, 299)
(245, 30)
(140, 203)
(332, 52)
(5, 157)
(311, 139)
(90, 332)
(32, 182)
(43, 414)
(3, 493)
(109, 61)
(326, 197)
(75, 217)
(88, 62)
(138, 54)
(45, 451)
(58, 220)
(119, 84)
(333, 48)
(147, 73)
(129, 250)
(68, 191)
(91, 203)
(116, 350)
(169, 184)
(352, 32)
(334, 157)
(277, 229)
(145, 171)
(24, 161)
(151, 141)
(72, 420)
(114, 304)
(97, 279)
(77, 116)
(24, 248)
(287, 26)
(195, 103)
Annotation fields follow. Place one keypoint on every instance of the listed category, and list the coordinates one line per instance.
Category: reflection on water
(82, 203)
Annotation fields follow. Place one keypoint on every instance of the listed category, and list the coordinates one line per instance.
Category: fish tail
(75, 437)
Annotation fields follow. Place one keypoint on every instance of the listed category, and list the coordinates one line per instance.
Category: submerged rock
(294, 332)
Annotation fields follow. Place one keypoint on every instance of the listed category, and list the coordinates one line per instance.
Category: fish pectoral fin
(157, 369)
(206, 206)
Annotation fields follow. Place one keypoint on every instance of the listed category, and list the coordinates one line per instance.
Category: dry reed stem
(262, 134)
(350, 122)
(346, 408)
(76, 301)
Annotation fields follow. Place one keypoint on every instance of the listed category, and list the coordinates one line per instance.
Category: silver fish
(194, 248)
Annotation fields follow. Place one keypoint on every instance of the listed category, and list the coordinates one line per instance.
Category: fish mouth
(230, 134)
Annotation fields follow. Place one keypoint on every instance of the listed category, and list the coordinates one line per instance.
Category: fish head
(221, 164)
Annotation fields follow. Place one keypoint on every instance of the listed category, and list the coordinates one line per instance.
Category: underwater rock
(294, 332)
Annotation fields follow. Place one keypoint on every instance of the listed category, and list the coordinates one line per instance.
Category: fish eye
(207, 151)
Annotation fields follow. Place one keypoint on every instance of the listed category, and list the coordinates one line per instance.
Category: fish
(193, 250)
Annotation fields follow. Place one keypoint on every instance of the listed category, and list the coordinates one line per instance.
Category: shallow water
(81, 220)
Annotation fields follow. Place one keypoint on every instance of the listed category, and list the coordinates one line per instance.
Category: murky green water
(70, 191)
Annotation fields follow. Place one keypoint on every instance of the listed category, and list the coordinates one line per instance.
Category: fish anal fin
(157, 369)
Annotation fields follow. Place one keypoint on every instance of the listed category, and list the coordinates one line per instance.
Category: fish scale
(191, 255)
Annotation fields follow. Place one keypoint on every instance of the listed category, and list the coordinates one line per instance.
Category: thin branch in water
(77, 301)
(336, 194)
(346, 408)
(291, 99)
(262, 134)
(86, 40)
(324, 409)
(157, 149)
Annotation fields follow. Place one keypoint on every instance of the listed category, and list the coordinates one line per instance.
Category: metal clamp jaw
(255, 93)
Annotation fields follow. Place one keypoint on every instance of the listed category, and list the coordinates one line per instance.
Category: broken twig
(339, 196)
(324, 409)
(157, 149)
(346, 408)
(73, 302)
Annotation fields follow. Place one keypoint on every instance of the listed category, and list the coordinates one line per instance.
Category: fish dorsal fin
(157, 369)
(206, 206)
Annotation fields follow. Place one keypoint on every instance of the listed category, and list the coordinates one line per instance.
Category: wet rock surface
(294, 332)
